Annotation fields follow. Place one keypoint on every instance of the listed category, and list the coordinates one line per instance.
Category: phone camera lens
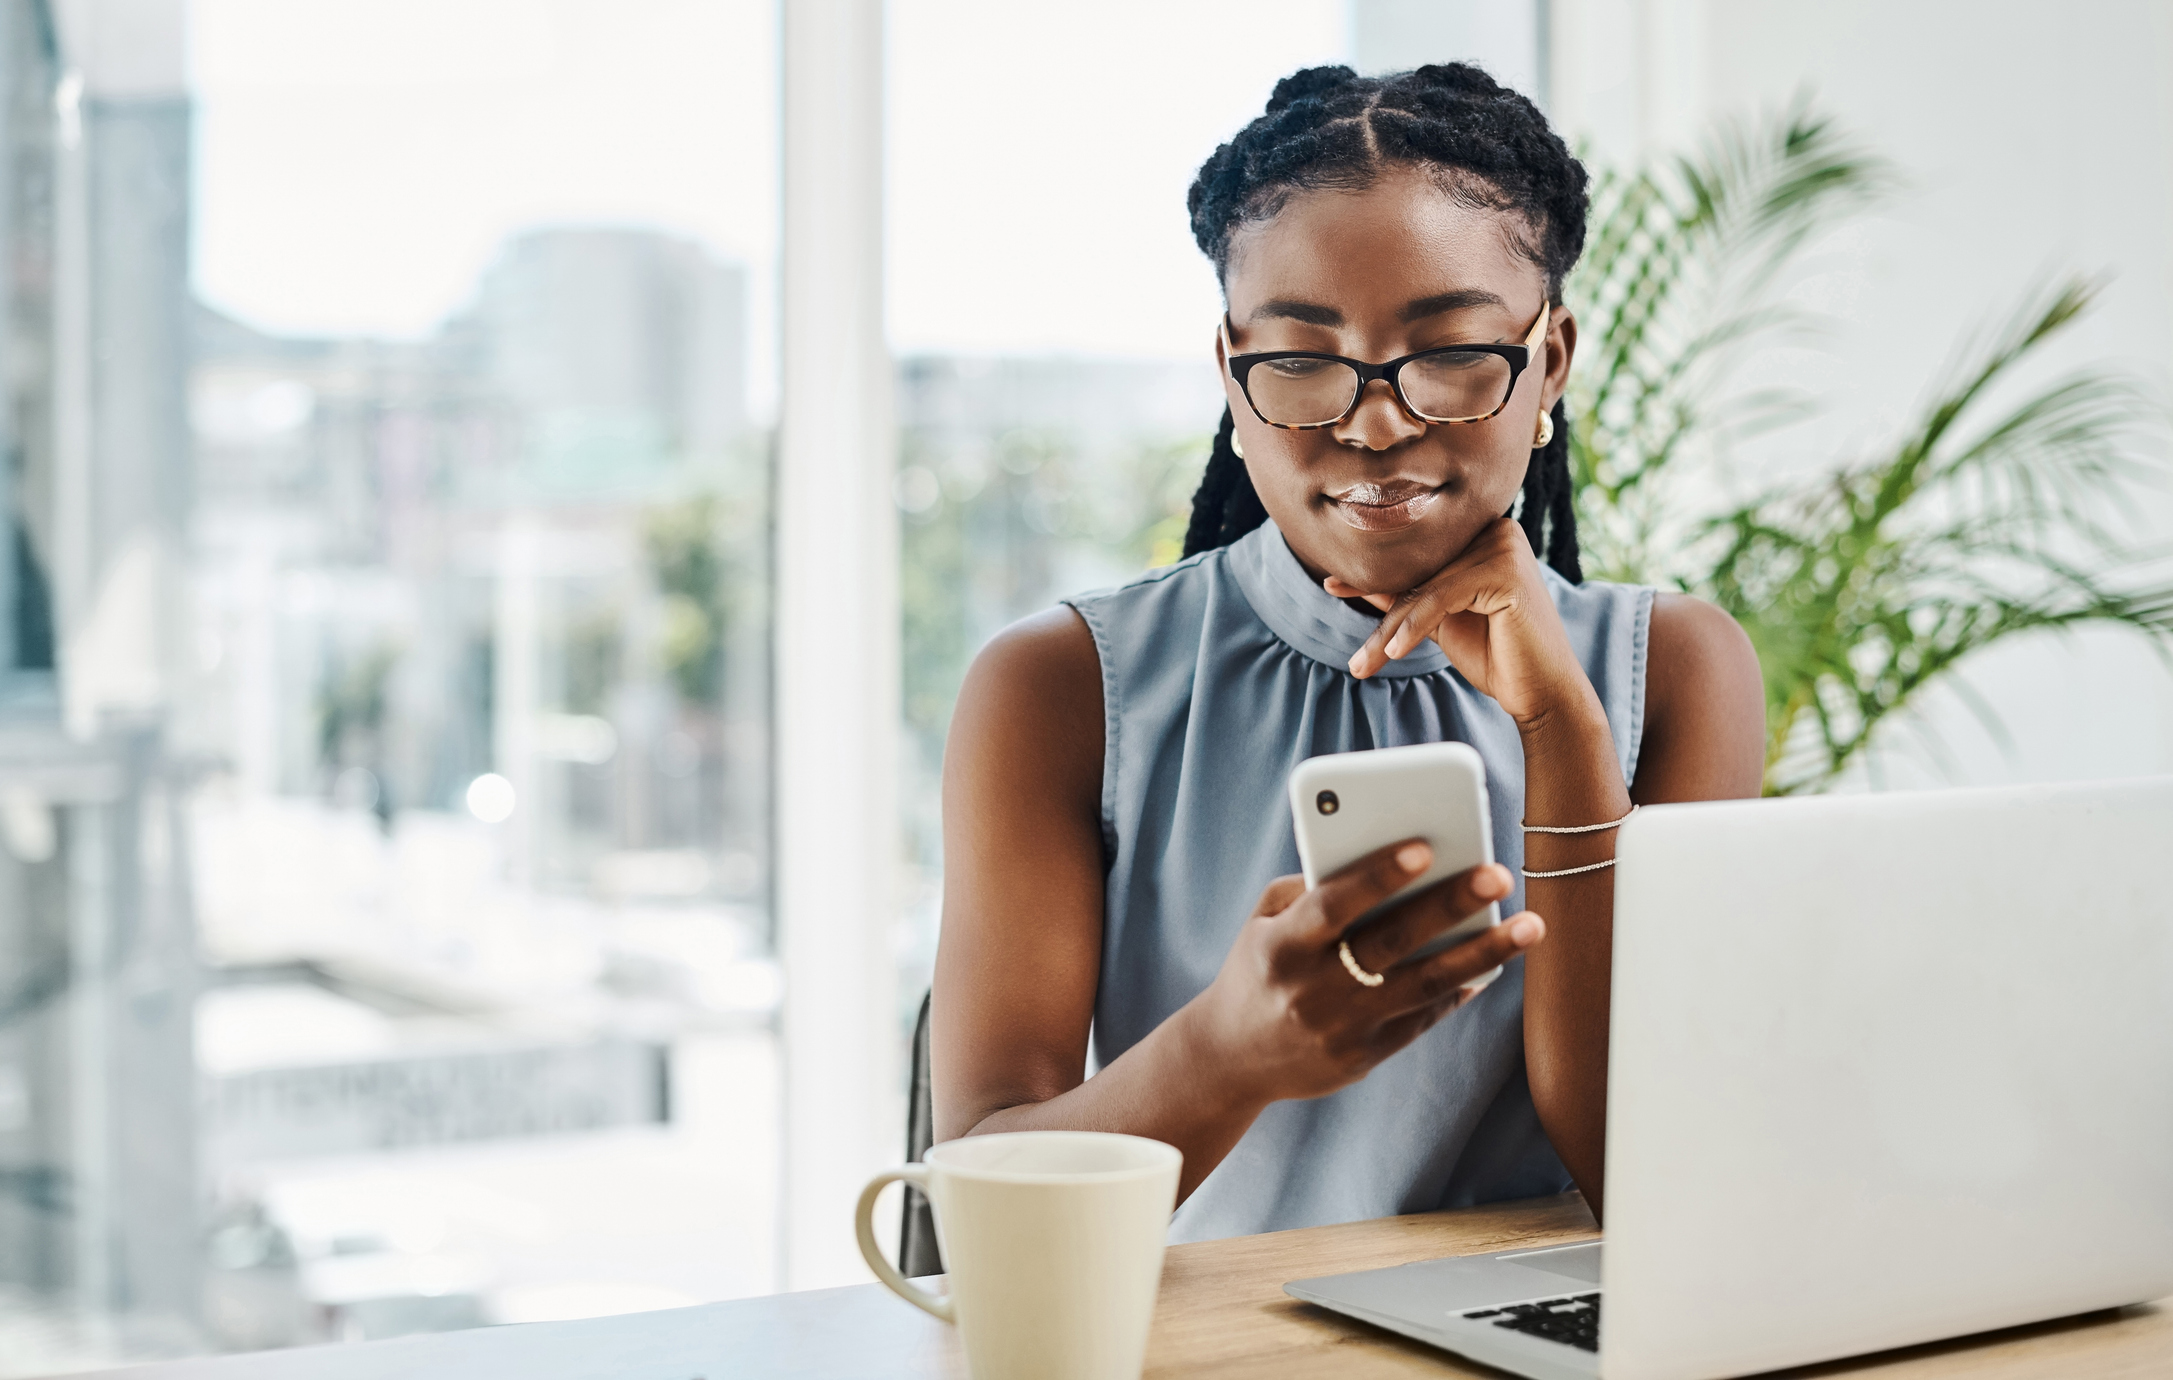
(1327, 802)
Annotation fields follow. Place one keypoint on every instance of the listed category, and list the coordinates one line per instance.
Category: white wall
(2038, 140)
(1503, 36)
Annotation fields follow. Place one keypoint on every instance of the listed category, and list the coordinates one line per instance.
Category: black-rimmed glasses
(1301, 390)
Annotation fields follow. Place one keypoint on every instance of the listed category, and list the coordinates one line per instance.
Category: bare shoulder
(1045, 662)
(1704, 705)
(1033, 696)
(1053, 643)
(1692, 639)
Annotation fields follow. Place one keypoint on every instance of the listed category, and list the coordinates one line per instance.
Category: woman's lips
(1384, 507)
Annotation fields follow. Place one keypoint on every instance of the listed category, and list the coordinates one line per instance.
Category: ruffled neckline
(1307, 618)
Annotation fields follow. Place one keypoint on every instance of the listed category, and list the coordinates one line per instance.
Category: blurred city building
(383, 740)
(483, 640)
(531, 544)
(98, 970)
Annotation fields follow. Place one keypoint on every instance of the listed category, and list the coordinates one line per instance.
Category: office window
(1054, 419)
(26, 324)
(385, 911)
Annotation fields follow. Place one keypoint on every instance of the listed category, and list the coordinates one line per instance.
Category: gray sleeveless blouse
(1219, 675)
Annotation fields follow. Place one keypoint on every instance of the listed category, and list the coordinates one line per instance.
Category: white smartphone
(1347, 804)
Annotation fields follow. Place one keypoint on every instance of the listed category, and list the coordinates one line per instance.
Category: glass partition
(384, 908)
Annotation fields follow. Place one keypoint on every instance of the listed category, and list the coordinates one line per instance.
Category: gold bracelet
(1571, 871)
(1575, 829)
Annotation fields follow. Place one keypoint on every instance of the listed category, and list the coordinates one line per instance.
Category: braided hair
(1327, 128)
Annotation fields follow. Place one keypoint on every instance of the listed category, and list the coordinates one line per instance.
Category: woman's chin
(1387, 562)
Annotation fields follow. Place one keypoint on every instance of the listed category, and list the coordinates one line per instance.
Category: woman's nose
(1379, 421)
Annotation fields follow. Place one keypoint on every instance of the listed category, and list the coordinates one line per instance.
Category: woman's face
(1383, 500)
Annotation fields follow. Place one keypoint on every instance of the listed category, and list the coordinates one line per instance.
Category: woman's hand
(1285, 1019)
(1490, 612)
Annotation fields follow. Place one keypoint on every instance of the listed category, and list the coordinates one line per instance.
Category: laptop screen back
(1886, 1069)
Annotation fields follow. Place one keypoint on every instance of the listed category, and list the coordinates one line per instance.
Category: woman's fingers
(1438, 978)
(1356, 889)
(1342, 590)
(1390, 1036)
(1468, 584)
(1412, 619)
(1279, 895)
(1400, 613)
(1419, 920)
(1375, 653)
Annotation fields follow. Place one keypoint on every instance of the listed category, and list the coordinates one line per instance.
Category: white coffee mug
(1053, 1243)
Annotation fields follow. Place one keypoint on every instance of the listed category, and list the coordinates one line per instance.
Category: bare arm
(1704, 739)
(1020, 956)
(1022, 896)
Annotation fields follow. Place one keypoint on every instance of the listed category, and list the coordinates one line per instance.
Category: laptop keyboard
(1573, 1319)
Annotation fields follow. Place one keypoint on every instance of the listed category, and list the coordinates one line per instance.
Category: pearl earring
(1545, 432)
(1237, 447)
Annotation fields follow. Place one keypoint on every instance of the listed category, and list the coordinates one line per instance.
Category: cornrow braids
(1549, 515)
(1225, 506)
(1327, 128)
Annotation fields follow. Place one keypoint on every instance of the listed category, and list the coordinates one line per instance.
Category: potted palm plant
(1864, 580)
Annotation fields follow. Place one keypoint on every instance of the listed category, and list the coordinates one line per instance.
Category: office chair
(917, 1251)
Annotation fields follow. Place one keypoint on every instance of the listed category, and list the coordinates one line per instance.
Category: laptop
(1884, 1069)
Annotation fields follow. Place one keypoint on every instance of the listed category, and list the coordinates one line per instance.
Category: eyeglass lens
(1451, 386)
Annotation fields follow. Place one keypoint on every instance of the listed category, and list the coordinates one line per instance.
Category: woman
(1113, 790)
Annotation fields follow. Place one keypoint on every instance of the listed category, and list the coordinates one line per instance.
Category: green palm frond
(1983, 519)
(1673, 287)
(1861, 593)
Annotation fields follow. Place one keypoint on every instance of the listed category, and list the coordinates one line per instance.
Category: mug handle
(864, 1226)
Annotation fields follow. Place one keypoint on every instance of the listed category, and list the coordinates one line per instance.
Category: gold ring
(1351, 964)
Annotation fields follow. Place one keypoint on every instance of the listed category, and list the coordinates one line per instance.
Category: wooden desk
(1223, 1312)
